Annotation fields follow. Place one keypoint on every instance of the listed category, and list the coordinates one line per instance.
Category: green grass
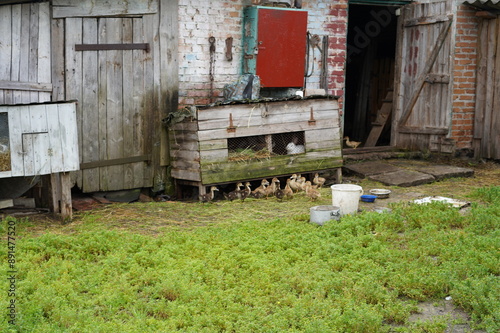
(206, 268)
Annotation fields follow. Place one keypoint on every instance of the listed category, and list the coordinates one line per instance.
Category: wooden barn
(405, 75)
(117, 59)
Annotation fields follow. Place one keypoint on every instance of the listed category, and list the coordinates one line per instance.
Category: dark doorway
(371, 47)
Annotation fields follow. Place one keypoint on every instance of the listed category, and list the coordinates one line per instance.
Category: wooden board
(93, 8)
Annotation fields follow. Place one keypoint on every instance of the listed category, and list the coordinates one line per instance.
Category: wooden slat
(117, 161)
(213, 173)
(67, 116)
(26, 86)
(15, 141)
(128, 103)
(424, 130)
(250, 131)
(16, 51)
(79, 8)
(24, 52)
(109, 47)
(34, 30)
(90, 107)
(58, 64)
(427, 20)
(114, 111)
(137, 109)
(44, 50)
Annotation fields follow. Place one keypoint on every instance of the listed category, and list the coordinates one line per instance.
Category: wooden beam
(484, 14)
(424, 130)
(437, 78)
(27, 86)
(427, 20)
(116, 161)
(108, 47)
(427, 68)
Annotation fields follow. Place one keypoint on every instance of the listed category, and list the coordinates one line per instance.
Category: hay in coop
(248, 154)
(5, 161)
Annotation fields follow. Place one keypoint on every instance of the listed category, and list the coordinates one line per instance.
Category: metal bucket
(324, 213)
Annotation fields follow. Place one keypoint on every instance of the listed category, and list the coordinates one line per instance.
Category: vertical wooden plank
(54, 133)
(69, 137)
(5, 47)
(90, 107)
(44, 49)
(481, 76)
(16, 50)
(55, 193)
(495, 119)
(139, 94)
(33, 49)
(73, 83)
(128, 105)
(102, 97)
(65, 204)
(16, 143)
(24, 54)
(151, 99)
(114, 116)
(490, 86)
(58, 62)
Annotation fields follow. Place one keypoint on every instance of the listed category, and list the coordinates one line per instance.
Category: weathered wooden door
(487, 117)
(109, 70)
(423, 71)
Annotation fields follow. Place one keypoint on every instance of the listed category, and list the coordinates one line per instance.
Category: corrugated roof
(484, 4)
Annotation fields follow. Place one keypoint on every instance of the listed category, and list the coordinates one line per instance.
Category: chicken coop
(221, 144)
(35, 140)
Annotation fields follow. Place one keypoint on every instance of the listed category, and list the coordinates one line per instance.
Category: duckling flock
(294, 184)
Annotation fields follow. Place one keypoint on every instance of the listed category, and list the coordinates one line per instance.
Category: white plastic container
(324, 213)
(346, 196)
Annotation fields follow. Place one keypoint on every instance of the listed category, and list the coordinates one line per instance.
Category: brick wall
(464, 81)
(198, 20)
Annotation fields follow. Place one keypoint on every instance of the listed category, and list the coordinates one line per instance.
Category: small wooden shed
(235, 142)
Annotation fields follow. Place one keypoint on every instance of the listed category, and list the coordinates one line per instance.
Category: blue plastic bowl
(368, 198)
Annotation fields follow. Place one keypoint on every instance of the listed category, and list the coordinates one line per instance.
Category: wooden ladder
(382, 116)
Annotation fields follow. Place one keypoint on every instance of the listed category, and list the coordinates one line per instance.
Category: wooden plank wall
(25, 53)
(209, 133)
(487, 118)
(430, 117)
(42, 139)
(123, 94)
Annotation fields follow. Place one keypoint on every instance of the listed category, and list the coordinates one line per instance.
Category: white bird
(292, 148)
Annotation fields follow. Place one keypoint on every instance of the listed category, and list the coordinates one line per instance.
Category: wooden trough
(235, 142)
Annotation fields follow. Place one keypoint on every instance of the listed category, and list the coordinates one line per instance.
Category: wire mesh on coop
(265, 146)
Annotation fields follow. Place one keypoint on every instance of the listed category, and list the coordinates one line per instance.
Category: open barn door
(423, 75)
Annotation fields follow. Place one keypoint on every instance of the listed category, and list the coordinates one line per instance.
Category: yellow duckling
(352, 144)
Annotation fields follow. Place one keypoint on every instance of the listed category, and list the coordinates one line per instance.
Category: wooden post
(60, 192)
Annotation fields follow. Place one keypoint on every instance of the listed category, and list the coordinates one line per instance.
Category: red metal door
(282, 47)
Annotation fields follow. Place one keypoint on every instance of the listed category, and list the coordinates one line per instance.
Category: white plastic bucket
(324, 213)
(346, 196)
